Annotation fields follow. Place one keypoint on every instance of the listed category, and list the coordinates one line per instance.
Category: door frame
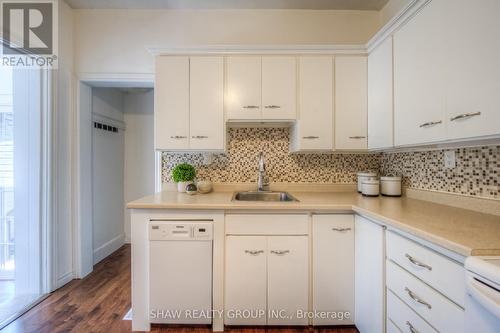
(81, 161)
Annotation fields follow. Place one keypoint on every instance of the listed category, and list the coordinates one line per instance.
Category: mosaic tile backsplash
(240, 163)
(476, 173)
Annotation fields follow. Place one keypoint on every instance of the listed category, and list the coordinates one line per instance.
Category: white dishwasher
(180, 271)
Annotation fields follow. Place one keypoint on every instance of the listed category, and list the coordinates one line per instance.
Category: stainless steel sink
(267, 196)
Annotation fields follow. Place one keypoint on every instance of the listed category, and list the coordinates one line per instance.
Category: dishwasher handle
(485, 295)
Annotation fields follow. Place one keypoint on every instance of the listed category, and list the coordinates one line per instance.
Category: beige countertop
(459, 230)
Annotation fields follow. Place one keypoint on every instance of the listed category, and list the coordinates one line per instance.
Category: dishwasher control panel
(179, 230)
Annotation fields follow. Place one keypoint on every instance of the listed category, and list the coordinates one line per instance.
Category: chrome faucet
(262, 179)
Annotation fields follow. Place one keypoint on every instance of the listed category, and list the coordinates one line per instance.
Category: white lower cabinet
(435, 308)
(333, 269)
(267, 280)
(403, 318)
(287, 280)
(246, 280)
(369, 253)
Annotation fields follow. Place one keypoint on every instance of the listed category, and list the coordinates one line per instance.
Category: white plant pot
(181, 186)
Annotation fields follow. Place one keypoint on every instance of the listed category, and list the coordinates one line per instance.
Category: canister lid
(390, 178)
(366, 174)
(371, 181)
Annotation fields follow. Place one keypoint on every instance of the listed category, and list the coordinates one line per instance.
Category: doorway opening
(117, 164)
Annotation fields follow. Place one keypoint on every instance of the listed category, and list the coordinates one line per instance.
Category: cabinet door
(243, 90)
(314, 127)
(245, 280)
(351, 102)
(369, 257)
(171, 103)
(380, 101)
(279, 87)
(473, 68)
(288, 279)
(206, 103)
(419, 82)
(333, 267)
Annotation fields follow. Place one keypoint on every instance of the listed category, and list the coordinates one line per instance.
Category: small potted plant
(183, 174)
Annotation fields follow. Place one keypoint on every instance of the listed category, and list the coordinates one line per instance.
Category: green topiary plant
(183, 172)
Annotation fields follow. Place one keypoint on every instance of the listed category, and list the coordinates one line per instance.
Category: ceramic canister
(371, 187)
(364, 175)
(390, 186)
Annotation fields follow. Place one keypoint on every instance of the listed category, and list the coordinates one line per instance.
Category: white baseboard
(109, 247)
(62, 280)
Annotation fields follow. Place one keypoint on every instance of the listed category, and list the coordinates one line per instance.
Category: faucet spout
(262, 179)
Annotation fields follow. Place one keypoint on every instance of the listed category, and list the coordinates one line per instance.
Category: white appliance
(482, 302)
(180, 271)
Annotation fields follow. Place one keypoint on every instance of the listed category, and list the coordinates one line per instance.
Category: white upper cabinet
(380, 98)
(279, 88)
(314, 127)
(351, 103)
(171, 103)
(261, 88)
(419, 80)
(473, 68)
(206, 103)
(189, 113)
(243, 92)
(447, 73)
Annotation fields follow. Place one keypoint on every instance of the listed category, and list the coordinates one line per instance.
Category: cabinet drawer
(436, 309)
(391, 328)
(404, 318)
(438, 271)
(266, 224)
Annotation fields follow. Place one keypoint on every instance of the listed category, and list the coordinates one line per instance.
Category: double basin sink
(263, 196)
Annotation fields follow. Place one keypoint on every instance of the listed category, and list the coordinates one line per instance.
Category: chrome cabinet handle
(250, 107)
(178, 137)
(280, 252)
(416, 298)
(465, 115)
(416, 262)
(310, 137)
(357, 137)
(200, 137)
(341, 229)
(272, 106)
(430, 123)
(254, 252)
(411, 328)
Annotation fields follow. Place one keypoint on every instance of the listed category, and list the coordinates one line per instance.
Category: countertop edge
(430, 237)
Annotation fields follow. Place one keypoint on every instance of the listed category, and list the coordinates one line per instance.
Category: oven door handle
(488, 297)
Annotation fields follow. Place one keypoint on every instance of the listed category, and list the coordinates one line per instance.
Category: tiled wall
(241, 161)
(476, 173)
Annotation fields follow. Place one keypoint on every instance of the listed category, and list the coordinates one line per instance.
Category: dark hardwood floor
(98, 303)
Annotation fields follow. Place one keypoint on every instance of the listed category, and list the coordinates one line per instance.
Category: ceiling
(229, 4)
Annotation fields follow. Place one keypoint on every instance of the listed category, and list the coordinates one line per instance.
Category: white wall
(107, 174)
(139, 177)
(114, 41)
(62, 174)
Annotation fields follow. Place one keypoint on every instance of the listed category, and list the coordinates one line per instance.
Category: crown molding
(258, 49)
(404, 15)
